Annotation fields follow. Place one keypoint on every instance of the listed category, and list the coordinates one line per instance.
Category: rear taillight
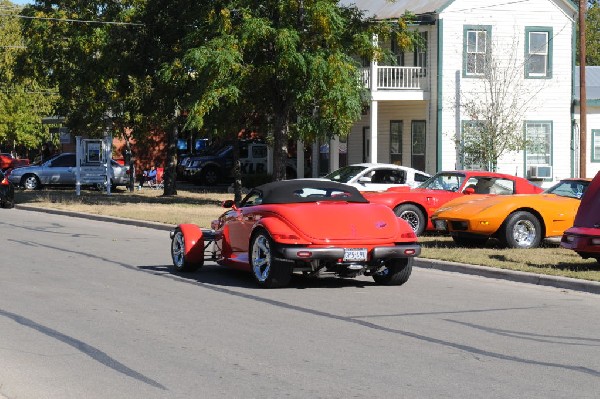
(4, 182)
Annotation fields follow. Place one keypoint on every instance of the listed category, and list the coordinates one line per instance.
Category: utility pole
(582, 92)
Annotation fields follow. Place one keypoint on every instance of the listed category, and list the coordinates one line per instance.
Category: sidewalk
(483, 271)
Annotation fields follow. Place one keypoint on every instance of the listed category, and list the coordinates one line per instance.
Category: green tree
(288, 68)
(592, 33)
(23, 100)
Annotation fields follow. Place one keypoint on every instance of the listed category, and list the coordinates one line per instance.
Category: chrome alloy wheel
(524, 233)
(411, 218)
(261, 258)
(31, 182)
(178, 250)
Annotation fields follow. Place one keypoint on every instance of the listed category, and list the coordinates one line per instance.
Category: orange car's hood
(342, 221)
(472, 206)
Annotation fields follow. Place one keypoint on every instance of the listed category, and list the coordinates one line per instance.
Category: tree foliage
(23, 100)
(286, 68)
(592, 33)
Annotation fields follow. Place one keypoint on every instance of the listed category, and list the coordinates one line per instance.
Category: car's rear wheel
(30, 182)
(395, 272)
(469, 242)
(521, 230)
(178, 254)
(413, 215)
(266, 269)
(7, 204)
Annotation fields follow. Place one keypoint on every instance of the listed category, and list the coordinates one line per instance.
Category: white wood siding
(508, 22)
(593, 123)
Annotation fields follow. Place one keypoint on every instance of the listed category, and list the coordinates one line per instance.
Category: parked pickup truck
(217, 166)
(7, 161)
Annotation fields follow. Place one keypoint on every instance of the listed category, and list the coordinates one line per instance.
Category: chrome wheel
(412, 218)
(413, 215)
(178, 250)
(31, 182)
(261, 258)
(524, 233)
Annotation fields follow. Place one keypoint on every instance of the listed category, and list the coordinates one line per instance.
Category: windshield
(345, 174)
(569, 188)
(444, 181)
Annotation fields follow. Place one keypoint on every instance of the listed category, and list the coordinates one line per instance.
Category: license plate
(355, 255)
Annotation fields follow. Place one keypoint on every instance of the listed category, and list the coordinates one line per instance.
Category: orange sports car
(518, 221)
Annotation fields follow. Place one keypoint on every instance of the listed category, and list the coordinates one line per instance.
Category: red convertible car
(584, 236)
(418, 204)
(313, 227)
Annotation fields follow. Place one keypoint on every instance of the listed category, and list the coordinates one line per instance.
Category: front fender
(281, 232)
(194, 243)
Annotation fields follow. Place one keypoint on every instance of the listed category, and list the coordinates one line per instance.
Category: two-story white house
(592, 155)
(417, 114)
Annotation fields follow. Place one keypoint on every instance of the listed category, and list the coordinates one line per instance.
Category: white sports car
(377, 176)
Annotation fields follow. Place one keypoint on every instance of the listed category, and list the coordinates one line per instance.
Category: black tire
(413, 215)
(8, 204)
(521, 230)
(396, 272)
(30, 182)
(209, 176)
(266, 269)
(470, 242)
(180, 263)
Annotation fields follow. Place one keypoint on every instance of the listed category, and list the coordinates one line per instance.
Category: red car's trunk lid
(334, 221)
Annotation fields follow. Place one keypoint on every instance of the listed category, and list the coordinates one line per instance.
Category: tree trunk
(237, 173)
(170, 172)
(280, 140)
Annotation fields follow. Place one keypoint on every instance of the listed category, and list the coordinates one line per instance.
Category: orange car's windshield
(569, 188)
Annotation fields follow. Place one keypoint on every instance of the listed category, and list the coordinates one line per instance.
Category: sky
(22, 2)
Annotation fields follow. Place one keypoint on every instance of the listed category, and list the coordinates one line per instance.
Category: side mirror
(469, 191)
(228, 204)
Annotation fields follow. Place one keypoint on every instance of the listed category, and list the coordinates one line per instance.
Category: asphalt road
(89, 309)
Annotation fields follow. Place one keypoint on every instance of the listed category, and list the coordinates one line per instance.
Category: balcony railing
(397, 78)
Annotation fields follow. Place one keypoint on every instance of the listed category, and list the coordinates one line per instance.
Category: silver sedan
(60, 170)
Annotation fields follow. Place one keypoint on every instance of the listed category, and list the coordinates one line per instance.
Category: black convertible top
(306, 190)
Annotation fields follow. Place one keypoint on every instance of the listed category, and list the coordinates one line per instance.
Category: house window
(469, 135)
(538, 52)
(538, 151)
(418, 145)
(595, 145)
(421, 54)
(396, 142)
(476, 49)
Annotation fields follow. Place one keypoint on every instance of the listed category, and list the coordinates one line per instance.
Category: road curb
(112, 219)
(512, 275)
(483, 271)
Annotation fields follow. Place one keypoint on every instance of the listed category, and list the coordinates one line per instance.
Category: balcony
(398, 78)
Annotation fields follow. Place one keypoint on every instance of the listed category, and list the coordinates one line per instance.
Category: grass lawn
(192, 205)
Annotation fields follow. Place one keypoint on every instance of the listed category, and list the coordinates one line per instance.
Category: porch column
(334, 154)
(374, 112)
(300, 159)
